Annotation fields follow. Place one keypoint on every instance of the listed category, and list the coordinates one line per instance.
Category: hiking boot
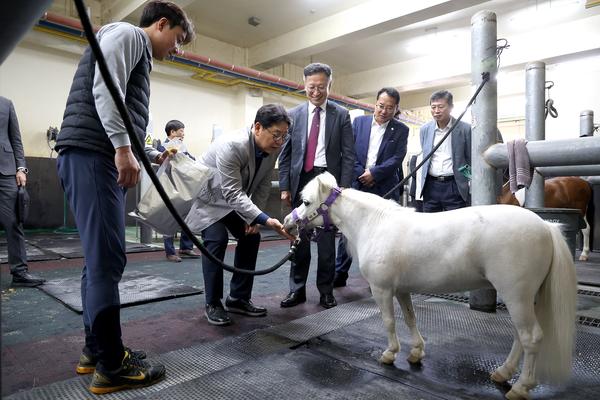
(87, 363)
(216, 315)
(132, 374)
(244, 307)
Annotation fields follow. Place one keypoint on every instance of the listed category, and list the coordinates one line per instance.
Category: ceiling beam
(551, 44)
(356, 23)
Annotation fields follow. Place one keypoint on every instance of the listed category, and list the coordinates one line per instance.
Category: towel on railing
(519, 170)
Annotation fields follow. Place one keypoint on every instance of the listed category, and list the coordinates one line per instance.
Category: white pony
(505, 247)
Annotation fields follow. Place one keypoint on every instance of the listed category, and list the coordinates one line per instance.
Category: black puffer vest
(81, 126)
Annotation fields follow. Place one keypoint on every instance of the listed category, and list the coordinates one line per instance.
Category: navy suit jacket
(339, 147)
(387, 171)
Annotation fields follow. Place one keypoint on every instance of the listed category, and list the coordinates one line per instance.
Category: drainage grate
(583, 320)
(460, 298)
(588, 321)
(586, 292)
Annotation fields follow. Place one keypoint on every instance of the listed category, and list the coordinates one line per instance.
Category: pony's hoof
(583, 258)
(415, 356)
(387, 357)
(515, 394)
(498, 377)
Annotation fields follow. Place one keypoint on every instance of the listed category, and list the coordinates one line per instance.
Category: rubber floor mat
(135, 288)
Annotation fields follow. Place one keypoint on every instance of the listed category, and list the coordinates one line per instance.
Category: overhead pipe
(72, 26)
(570, 170)
(549, 153)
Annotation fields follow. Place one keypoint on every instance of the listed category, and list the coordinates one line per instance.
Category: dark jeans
(215, 239)
(89, 180)
(185, 243)
(441, 196)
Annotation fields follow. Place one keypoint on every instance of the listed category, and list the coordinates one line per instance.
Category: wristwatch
(23, 170)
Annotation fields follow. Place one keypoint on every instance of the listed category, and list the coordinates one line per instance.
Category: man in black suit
(13, 173)
(380, 144)
(320, 140)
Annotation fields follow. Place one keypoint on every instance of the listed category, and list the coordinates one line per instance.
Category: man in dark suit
(13, 173)
(445, 186)
(380, 145)
(320, 140)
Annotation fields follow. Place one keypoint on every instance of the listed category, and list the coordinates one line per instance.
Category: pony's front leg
(385, 301)
(417, 352)
(585, 251)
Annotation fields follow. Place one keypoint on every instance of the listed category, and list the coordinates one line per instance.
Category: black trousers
(441, 196)
(15, 238)
(325, 251)
(215, 239)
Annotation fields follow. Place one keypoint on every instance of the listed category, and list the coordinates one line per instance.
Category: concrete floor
(42, 339)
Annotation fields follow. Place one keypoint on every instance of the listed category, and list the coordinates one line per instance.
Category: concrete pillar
(484, 128)
(535, 124)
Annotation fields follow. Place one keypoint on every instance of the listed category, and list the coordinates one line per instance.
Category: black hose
(139, 148)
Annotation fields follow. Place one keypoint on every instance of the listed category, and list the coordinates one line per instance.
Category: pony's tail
(556, 310)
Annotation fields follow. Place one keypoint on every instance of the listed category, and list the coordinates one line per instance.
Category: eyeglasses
(382, 107)
(320, 89)
(278, 136)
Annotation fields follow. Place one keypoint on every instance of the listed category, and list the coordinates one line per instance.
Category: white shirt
(441, 160)
(375, 139)
(320, 159)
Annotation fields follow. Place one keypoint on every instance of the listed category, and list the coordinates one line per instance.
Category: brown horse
(562, 192)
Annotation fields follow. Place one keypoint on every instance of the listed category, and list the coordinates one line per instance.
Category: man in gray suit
(13, 173)
(321, 140)
(445, 186)
(232, 199)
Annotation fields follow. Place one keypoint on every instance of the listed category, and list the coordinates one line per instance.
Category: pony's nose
(288, 223)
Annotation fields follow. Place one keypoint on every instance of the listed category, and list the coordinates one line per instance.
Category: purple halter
(323, 210)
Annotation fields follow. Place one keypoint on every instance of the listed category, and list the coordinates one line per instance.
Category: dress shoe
(244, 307)
(340, 279)
(216, 315)
(293, 299)
(327, 300)
(26, 279)
(173, 258)
(188, 253)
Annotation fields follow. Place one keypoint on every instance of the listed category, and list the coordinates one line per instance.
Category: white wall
(37, 79)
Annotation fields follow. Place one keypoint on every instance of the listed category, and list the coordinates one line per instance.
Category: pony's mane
(372, 201)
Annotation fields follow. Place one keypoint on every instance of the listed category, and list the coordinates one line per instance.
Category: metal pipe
(535, 125)
(576, 151)
(586, 123)
(484, 128)
(571, 170)
(73, 27)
